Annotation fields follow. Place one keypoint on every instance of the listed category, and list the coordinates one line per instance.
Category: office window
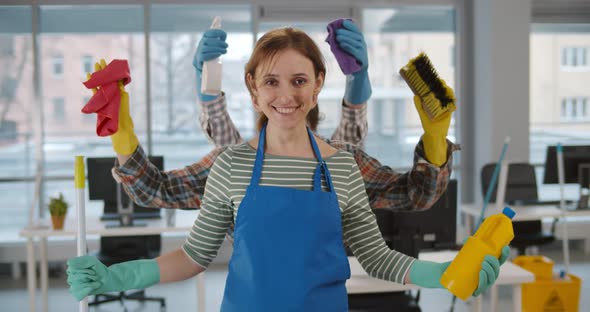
(78, 34)
(574, 57)
(57, 66)
(175, 33)
(574, 109)
(394, 36)
(558, 97)
(87, 64)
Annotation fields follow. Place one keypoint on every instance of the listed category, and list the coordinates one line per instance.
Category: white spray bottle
(211, 79)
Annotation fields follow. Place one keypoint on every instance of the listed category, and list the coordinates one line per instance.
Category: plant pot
(58, 222)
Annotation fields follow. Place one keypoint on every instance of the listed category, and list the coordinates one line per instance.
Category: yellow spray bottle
(462, 276)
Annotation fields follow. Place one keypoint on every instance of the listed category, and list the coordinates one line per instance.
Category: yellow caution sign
(554, 303)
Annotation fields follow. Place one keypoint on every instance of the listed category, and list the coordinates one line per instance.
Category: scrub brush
(422, 78)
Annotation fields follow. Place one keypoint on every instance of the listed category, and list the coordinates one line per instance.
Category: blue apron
(288, 249)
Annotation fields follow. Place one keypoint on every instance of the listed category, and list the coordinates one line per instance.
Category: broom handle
(79, 179)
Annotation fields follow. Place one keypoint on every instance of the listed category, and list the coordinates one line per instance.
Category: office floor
(181, 296)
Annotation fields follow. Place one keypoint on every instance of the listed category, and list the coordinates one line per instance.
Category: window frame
(57, 60)
(575, 58)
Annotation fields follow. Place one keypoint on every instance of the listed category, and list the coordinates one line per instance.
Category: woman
(293, 199)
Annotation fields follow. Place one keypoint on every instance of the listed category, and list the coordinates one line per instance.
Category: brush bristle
(430, 77)
(424, 81)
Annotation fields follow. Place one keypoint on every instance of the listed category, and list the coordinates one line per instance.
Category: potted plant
(58, 208)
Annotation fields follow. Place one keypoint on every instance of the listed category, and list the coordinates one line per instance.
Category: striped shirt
(417, 189)
(226, 187)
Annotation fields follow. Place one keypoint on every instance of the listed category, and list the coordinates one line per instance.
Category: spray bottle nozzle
(216, 24)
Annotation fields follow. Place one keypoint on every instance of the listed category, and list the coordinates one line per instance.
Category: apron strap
(317, 181)
(257, 170)
(322, 167)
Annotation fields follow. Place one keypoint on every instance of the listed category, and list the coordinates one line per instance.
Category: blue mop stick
(492, 183)
(561, 179)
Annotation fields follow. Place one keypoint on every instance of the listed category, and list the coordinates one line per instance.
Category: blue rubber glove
(211, 46)
(88, 276)
(427, 274)
(351, 40)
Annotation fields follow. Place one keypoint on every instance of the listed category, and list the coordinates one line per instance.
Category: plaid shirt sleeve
(147, 186)
(217, 124)
(353, 125)
(417, 189)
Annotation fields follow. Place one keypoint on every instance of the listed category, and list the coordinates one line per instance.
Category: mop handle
(79, 180)
(492, 184)
(561, 179)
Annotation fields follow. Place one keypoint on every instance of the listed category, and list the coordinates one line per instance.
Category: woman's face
(286, 89)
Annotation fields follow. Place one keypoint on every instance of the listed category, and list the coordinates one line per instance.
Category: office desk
(184, 222)
(523, 213)
(510, 274)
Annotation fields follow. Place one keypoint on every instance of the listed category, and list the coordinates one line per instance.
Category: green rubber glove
(427, 274)
(88, 276)
(435, 132)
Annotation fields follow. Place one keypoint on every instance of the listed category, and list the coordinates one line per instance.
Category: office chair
(119, 249)
(521, 187)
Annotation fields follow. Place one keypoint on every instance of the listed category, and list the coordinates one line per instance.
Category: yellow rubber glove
(435, 132)
(124, 140)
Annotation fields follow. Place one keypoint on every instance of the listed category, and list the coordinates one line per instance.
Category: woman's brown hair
(278, 40)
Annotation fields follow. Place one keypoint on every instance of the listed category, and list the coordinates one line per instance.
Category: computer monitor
(576, 165)
(432, 229)
(102, 186)
(576, 169)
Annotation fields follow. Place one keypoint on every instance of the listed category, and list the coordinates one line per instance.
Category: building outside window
(57, 66)
(87, 64)
(574, 109)
(59, 110)
(574, 57)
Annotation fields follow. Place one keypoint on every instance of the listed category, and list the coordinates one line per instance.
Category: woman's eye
(300, 81)
(270, 82)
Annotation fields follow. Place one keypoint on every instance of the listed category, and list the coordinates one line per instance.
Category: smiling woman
(287, 91)
(290, 80)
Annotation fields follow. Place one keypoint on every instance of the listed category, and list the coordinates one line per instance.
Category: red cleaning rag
(107, 99)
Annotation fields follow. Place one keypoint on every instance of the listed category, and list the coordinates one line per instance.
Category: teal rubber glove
(211, 46)
(351, 40)
(88, 276)
(427, 274)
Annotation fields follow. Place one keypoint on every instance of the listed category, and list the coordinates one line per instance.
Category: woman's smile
(286, 110)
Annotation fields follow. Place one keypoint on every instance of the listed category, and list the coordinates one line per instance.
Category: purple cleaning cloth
(347, 62)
